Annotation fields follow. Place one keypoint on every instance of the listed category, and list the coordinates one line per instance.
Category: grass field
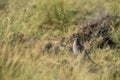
(27, 25)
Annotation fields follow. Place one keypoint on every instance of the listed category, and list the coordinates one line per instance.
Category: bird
(78, 48)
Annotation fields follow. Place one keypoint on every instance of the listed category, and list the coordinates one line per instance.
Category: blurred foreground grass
(37, 21)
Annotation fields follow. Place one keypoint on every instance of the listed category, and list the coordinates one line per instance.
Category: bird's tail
(86, 56)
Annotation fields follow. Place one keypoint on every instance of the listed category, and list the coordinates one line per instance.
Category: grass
(27, 25)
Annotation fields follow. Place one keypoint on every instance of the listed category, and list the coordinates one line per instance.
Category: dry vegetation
(35, 45)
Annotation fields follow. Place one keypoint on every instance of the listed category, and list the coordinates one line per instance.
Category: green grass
(39, 21)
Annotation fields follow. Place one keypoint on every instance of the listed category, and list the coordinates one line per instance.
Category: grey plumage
(78, 48)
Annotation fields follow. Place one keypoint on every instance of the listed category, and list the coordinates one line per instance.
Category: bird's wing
(80, 47)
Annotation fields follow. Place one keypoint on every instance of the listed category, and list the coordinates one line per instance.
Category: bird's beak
(74, 39)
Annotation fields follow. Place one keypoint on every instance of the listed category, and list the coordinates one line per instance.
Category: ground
(36, 40)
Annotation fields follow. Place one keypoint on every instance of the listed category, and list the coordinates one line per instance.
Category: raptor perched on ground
(79, 49)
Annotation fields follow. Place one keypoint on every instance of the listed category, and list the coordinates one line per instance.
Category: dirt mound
(98, 30)
(95, 32)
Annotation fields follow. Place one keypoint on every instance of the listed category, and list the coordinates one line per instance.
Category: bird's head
(76, 36)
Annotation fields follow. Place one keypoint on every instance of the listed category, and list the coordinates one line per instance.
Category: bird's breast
(75, 49)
